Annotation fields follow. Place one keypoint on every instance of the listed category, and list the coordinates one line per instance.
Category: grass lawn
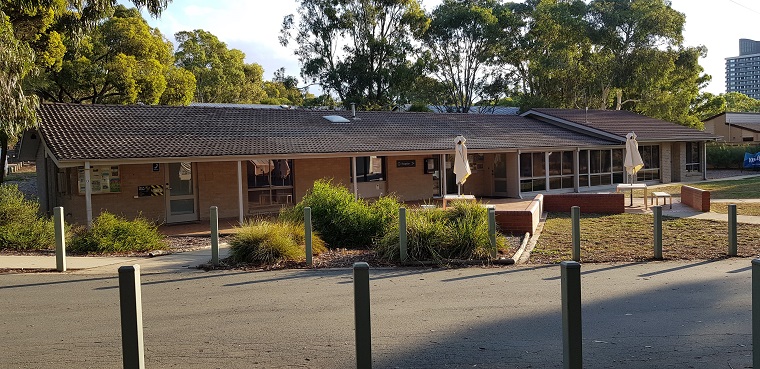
(751, 208)
(628, 237)
(728, 189)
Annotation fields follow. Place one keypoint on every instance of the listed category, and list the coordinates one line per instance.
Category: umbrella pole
(459, 189)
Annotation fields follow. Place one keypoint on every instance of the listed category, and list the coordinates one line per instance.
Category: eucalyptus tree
(358, 49)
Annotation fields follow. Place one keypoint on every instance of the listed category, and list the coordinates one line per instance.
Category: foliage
(342, 220)
(270, 242)
(17, 109)
(465, 39)
(20, 226)
(122, 60)
(358, 49)
(724, 156)
(114, 234)
(708, 105)
(437, 234)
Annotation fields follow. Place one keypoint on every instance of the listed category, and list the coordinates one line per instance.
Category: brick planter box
(695, 198)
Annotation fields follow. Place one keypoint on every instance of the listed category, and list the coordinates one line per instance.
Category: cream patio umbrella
(461, 166)
(632, 161)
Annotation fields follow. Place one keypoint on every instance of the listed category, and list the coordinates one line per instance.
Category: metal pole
(492, 231)
(756, 313)
(214, 235)
(362, 316)
(572, 335)
(60, 239)
(307, 234)
(130, 298)
(657, 211)
(575, 214)
(732, 244)
(402, 241)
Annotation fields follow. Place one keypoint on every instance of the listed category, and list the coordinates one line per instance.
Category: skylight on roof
(336, 119)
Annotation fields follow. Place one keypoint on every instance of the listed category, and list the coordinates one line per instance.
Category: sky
(253, 26)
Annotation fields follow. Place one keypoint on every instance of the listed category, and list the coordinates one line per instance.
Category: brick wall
(217, 185)
(409, 183)
(666, 159)
(695, 198)
(521, 221)
(604, 203)
(307, 171)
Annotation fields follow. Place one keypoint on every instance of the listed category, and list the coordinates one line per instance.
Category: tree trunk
(619, 104)
(3, 155)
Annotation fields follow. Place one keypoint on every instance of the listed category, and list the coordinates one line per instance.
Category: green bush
(21, 228)
(342, 220)
(437, 234)
(726, 156)
(270, 242)
(113, 234)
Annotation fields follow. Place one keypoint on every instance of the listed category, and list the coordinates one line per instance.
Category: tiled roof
(77, 132)
(621, 122)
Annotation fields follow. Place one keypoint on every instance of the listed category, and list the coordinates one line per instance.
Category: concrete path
(110, 265)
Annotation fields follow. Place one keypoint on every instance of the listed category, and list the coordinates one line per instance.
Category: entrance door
(500, 175)
(180, 193)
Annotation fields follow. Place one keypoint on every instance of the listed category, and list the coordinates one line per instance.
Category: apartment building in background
(743, 71)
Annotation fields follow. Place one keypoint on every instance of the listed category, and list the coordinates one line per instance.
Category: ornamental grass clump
(114, 234)
(341, 219)
(21, 228)
(437, 235)
(271, 242)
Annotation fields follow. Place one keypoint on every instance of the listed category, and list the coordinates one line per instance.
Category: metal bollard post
(214, 235)
(307, 235)
(732, 244)
(572, 335)
(492, 231)
(657, 211)
(60, 239)
(756, 313)
(362, 316)
(575, 214)
(130, 299)
(402, 241)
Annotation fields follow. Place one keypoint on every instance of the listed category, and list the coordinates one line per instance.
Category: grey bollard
(362, 316)
(657, 211)
(492, 231)
(402, 240)
(214, 211)
(130, 299)
(60, 239)
(572, 335)
(575, 214)
(756, 313)
(307, 235)
(732, 243)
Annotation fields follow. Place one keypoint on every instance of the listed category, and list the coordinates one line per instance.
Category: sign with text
(752, 161)
(406, 163)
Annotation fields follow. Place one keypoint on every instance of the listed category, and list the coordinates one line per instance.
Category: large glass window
(270, 182)
(532, 172)
(692, 157)
(600, 167)
(369, 169)
(651, 156)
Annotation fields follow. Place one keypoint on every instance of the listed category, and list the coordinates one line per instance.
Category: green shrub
(726, 156)
(342, 220)
(21, 228)
(437, 234)
(270, 242)
(113, 234)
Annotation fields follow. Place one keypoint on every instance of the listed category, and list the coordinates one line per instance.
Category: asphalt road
(653, 315)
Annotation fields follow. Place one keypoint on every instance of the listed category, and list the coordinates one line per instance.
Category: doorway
(180, 193)
(500, 175)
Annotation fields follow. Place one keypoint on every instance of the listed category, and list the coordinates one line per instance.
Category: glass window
(567, 162)
(539, 162)
(369, 169)
(555, 164)
(692, 157)
(526, 166)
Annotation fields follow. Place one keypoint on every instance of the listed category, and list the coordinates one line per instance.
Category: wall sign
(156, 167)
(150, 190)
(406, 163)
(103, 179)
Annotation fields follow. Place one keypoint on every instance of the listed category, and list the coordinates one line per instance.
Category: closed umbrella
(632, 162)
(461, 166)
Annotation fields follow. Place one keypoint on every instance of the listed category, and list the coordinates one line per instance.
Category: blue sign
(751, 161)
